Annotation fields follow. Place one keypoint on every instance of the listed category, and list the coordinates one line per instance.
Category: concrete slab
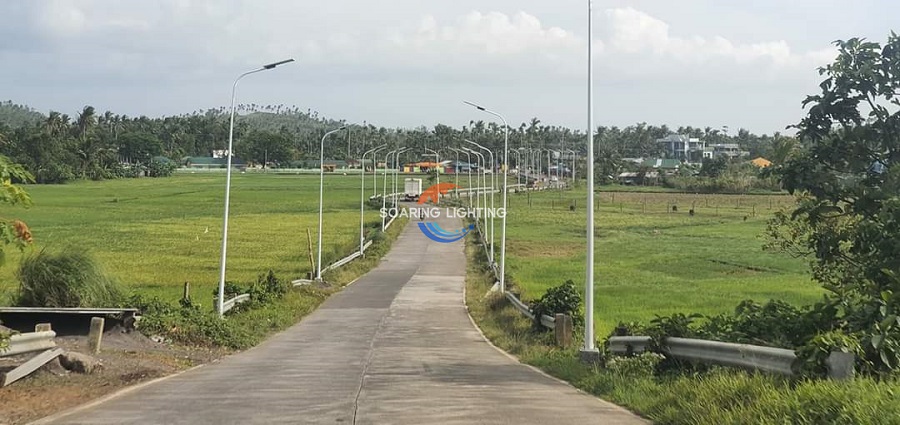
(396, 347)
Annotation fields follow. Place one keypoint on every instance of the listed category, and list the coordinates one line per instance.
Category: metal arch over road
(396, 347)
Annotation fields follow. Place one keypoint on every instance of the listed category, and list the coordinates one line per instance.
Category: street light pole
(437, 159)
(574, 156)
(493, 189)
(384, 188)
(229, 154)
(469, 169)
(362, 193)
(482, 203)
(321, 187)
(505, 196)
(589, 352)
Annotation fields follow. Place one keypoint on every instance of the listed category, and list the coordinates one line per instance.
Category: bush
(68, 278)
(160, 168)
(562, 299)
(642, 364)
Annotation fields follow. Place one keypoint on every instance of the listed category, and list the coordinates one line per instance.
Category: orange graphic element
(434, 192)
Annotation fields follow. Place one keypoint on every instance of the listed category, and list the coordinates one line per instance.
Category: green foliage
(713, 167)
(562, 299)
(813, 354)
(16, 116)
(847, 221)
(68, 278)
(159, 168)
(713, 397)
(643, 364)
(272, 306)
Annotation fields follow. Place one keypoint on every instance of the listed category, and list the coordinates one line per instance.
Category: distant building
(729, 150)
(206, 162)
(681, 147)
(666, 166)
(761, 162)
(632, 178)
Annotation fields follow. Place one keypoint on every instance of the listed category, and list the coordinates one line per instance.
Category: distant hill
(292, 121)
(16, 116)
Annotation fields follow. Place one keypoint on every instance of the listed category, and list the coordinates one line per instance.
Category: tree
(713, 167)
(262, 145)
(847, 176)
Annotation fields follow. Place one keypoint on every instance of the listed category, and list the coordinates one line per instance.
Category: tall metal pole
(574, 156)
(384, 188)
(505, 196)
(362, 193)
(229, 153)
(469, 169)
(493, 188)
(481, 192)
(590, 351)
(321, 188)
(437, 159)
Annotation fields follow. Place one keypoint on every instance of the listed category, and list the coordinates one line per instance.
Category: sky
(407, 63)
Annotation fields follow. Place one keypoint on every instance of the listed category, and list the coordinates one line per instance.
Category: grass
(722, 396)
(152, 235)
(650, 260)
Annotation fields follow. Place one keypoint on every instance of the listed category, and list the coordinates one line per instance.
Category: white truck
(412, 189)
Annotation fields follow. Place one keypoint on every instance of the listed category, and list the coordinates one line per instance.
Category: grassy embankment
(652, 261)
(152, 235)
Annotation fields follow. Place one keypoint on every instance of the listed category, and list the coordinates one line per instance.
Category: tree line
(57, 147)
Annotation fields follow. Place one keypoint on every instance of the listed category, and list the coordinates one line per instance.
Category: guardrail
(390, 222)
(547, 321)
(29, 342)
(766, 359)
(229, 304)
(349, 258)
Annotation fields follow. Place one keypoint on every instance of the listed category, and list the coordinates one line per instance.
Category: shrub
(160, 168)
(640, 365)
(562, 299)
(69, 278)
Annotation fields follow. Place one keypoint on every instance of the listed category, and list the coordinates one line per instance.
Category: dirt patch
(127, 358)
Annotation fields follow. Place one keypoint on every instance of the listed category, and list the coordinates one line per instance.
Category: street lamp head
(480, 108)
(273, 65)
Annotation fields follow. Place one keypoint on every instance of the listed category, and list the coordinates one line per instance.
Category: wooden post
(42, 327)
(312, 261)
(96, 334)
(563, 330)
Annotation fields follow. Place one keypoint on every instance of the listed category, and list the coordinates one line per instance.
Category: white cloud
(152, 44)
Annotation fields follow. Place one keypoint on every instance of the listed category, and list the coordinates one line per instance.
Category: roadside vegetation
(135, 243)
(840, 227)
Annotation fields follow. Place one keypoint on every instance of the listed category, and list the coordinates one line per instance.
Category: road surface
(396, 347)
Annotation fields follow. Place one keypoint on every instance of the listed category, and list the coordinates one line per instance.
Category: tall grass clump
(68, 278)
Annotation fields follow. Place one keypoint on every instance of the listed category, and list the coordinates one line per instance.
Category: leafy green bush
(642, 364)
(562, 299)
(243, 328)
(69, 278)
(159, 168)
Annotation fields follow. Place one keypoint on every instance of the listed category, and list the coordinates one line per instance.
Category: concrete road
(396, 347)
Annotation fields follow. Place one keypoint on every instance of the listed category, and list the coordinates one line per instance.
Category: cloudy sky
(411, 62)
